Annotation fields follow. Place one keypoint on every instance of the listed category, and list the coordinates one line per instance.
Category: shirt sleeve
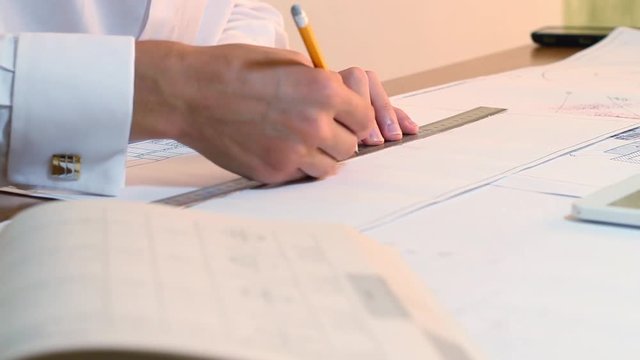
(66, 96)
(7, 55)
(254, 22)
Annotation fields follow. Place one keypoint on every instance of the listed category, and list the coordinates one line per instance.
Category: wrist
(157, 105)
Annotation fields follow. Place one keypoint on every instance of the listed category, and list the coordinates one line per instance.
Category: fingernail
(393, 128)
(375, 136)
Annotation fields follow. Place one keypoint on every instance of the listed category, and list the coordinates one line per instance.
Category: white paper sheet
(583, 171)
(383, 186)
(101, 276)
(525, 282)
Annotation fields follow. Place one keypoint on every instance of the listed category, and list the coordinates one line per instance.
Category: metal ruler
(196, 196)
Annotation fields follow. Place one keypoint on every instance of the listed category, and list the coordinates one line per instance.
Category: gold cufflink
(65, 166)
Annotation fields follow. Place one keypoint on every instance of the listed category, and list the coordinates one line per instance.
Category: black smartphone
(580, 36)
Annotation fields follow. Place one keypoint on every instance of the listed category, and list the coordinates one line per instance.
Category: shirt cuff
(72, 95)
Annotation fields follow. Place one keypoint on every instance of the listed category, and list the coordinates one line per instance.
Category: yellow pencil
(309, 39)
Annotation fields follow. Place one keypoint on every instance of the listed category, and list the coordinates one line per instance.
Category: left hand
(391, 122)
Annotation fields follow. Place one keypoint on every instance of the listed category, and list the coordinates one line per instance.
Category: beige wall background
(401, 37)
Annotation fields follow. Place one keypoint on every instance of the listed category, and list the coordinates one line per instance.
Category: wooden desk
(522, 56)
(527, 55)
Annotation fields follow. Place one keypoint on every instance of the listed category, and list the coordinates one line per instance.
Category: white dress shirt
(67, 69)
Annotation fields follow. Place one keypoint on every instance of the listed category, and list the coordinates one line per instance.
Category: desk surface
(526, 55)
(523, 287)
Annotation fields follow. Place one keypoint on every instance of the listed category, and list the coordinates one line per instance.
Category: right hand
(260, 112)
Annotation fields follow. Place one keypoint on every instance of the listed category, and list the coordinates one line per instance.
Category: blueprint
(553, 111)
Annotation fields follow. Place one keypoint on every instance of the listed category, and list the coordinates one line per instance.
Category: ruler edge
(366, 150)
(246, 184)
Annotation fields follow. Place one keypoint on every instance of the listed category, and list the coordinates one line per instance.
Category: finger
(277, 179)
(340, 144)
(406, 124)
(318, 165)
(274, 165)
(356, 79)
(385, 115)
(352, 111)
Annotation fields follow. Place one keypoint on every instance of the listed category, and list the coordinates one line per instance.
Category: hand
(260, 112)
(390, 122)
